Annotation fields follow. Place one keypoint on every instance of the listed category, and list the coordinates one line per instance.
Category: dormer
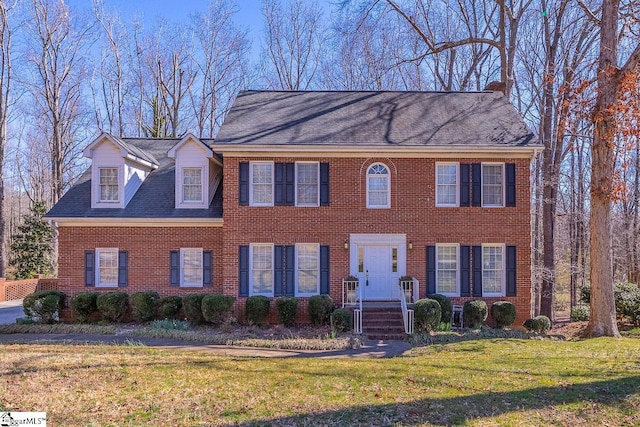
(117, 171)
(198, 173)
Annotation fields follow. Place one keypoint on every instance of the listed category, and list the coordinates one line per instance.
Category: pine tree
(32, 247)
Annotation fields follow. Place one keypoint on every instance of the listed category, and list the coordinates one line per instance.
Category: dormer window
(108, 184)
(192, 185)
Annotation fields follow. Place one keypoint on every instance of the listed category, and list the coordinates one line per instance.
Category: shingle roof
(154, 199)
(374, 119)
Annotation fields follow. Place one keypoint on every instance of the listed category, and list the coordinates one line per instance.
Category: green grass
(480, 382)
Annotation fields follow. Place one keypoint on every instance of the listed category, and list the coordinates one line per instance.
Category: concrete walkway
(371, 349)
(10, 311)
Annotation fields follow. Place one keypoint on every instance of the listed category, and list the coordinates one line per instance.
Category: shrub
(217, 308)
(540, 324)
(580, 313)
(257, 309)
(192, 306)
(84, 305)
(144, 305)
(44, 306)
(113, 306)
(627, 298)
(585, 294)
(445, 307)
(320, 309)
(168, 324)
(341, 320)
(474, 313)
(169, 307)
(427, 314)
(504, 313)
(287, 309)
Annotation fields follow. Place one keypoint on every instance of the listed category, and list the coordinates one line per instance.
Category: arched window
(378, 186)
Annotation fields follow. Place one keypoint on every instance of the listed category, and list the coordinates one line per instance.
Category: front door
(378, 272)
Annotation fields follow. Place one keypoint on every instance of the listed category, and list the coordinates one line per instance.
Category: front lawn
(480, 382)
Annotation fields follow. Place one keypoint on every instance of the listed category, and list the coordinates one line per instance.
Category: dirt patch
(569, 330)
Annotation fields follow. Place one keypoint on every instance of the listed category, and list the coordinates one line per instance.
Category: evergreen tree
(32, 247)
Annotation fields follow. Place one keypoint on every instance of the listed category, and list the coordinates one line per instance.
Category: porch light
(410, 245)
(346, 244)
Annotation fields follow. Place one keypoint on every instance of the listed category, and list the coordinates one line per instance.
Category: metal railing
(352, 296)
(407, 314)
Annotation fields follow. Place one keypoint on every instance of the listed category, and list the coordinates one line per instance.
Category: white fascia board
(136, 222)
(187, 138)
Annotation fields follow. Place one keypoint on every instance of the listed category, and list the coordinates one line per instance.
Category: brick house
(302, 189)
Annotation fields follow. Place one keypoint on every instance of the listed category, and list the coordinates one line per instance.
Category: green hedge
(192, 306)
(144, 305)
(113, 306)
(169, 307)
(320, 309)
(287, 309)
(341, 320)
(217, 309)
(504, 313)
(540, 324)
(44, 306)
(84, 305)
(427, 314)
(257, 309)
(474, 313)
(445, 307)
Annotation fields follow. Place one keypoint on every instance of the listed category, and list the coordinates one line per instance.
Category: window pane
(378, 186)
(262, 184)
(307, 183)
(192, 184)
(308, 269)
(447, 265)
(308, 281)
(108, 184)
(492, 269)
(192, 266)
(108, 262)
(262, 269)
(492, 188)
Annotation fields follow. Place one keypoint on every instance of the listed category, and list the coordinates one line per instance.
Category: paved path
(10, 311)
(372, 349)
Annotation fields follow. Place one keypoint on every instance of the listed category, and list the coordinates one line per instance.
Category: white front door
(378, 272)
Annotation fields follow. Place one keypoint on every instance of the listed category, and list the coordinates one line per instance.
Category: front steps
(383, 320)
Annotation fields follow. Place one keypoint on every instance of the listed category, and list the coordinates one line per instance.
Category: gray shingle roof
(374, 119)
(135, 151)
(154, 199)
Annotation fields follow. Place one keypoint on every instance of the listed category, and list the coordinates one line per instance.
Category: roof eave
(133, 222)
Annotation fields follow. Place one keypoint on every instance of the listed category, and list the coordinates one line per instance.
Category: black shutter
(431, 270)
(511, 271)
(244, 184)
(89, 268)
(243, 271)
(465, 271)
(464, 185)
(278, 184)
(174, 268)
(324, 270)
(123, 269)
(278, 270)
(207, 268)
(510, 172)
(289, 184)
(476, 184)
(324, 184)
(477, 271)
(289, 270)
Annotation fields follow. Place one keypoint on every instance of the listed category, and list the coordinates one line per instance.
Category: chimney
(496, 86)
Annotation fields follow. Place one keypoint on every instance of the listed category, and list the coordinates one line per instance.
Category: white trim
(193, 204)
(95, 187)
(388, 204)
(99, 199)
(504, 184)
(317, 203)
(307, 294)
(88, 150)
(393, 240)
(503, 278)
(273, 167)
(457, 291)
(184, 284)
(457, 185)
(136, 222)
(98, 283)
(190, 137)
(251, 246)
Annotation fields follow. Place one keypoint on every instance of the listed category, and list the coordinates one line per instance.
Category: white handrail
(407, 315)
(357, 314)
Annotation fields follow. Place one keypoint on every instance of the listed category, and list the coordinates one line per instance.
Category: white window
(307, 179)
(191, 267)
(261, 258)
(107, 267)
(192, 184)
(493, 270)
(492, 185)
(378, 186)
(108, 191)
(447, 269)
(261, 181)
(447, 184)
(307, 269)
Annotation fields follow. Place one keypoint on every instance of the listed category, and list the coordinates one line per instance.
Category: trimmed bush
(320, 309)
(144, 305)
(504, 313)
(627, 298)
(44, 306)
(445, 307)
(287, 309)
(84, 305)
(427, 314)
(217, 309)
(169, 307)
(257, 309)
(474, 313)
(540, 324)
(192, 306)
(580, 313)
(341, 320)
(113, 306)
